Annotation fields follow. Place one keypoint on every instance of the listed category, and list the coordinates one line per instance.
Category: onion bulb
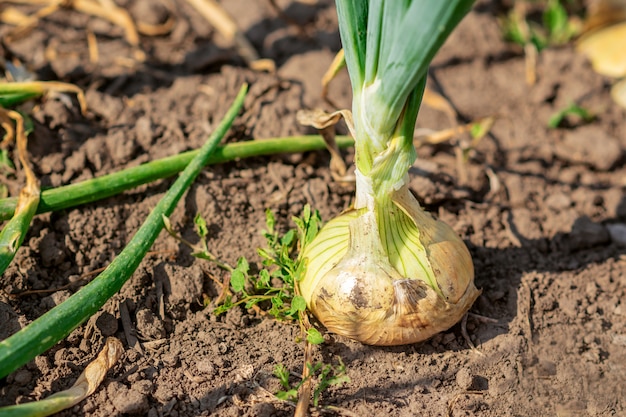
(401, 284)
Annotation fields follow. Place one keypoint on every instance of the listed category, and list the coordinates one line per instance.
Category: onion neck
(381, 173)
(384, 152)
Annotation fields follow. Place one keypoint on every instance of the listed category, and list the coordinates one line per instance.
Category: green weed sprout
(327, 376)
(572, 109)
(556, 27)
(273, 288)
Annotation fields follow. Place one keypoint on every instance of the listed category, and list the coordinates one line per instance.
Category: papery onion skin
(357, 293)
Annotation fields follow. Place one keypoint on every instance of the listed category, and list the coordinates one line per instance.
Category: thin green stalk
(28, 87)
(112, 184)
(17, 92)
(57, 323)
(13, 233)
(12, 99)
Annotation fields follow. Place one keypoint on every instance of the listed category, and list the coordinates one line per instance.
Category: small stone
(85, 345)
(619, 339)
(185, 283)
(107, 324)
(22, 377)
(134, 377)
(591, 290)
(558, 201)
(149, 326)
(464, 379)
(143, 386)
(152, 13)
(569, 306)
(127, 401)
(144, 132)
(60, 356)
(205, 367)
(170, 360)
(43, 364)
(546, 369)
(587, 144)
(587, 234)
(617, 231)
(51, 251)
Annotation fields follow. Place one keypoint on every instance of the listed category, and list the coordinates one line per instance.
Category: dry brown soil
(540, 209)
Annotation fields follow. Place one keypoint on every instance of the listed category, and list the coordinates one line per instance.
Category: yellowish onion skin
(357, 293)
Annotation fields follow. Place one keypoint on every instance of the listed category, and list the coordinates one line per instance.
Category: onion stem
(95, 189)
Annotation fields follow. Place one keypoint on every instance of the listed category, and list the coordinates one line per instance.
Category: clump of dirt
(542, 211)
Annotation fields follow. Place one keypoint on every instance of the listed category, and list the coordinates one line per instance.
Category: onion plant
(386, 272)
